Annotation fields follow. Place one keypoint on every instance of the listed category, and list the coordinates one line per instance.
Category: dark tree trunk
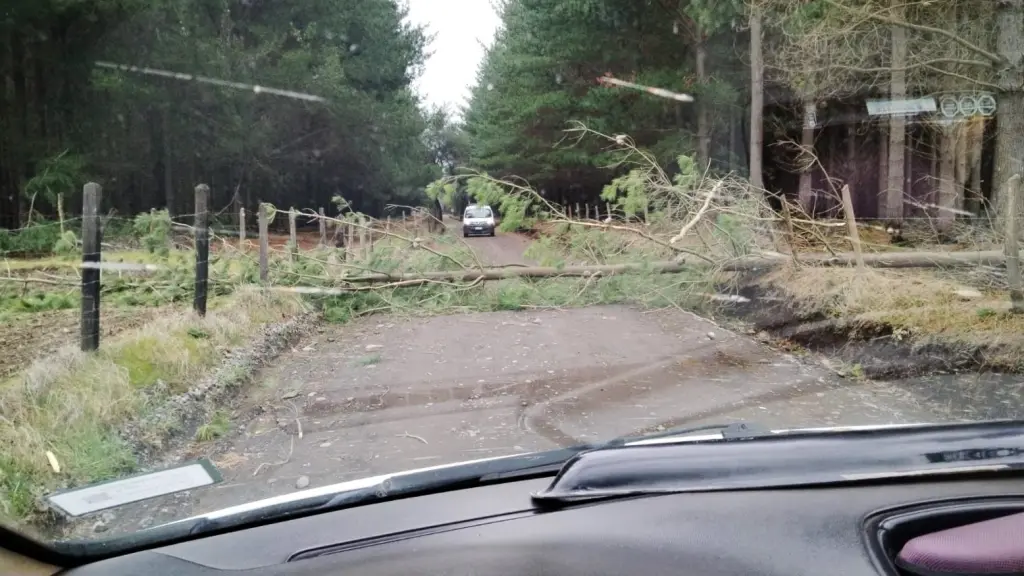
(756, 100)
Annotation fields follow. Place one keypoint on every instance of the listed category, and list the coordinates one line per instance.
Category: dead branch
(700, 214)
(878, 17)
(636, 231)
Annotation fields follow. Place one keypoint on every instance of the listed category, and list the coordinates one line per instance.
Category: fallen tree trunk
(748, 263)
(886, 260)
(878, 260)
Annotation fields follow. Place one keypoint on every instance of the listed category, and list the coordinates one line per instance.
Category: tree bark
(947, 181)
(1010, 123)
(806, 159)
(892, 208)
(703, 112)
(168, 159)
(975, 148)
(734, 153)
(756, 100)
(883, 168)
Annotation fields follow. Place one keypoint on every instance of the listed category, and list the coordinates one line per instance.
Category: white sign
(142, 487)
(901, 107)
(967, 105)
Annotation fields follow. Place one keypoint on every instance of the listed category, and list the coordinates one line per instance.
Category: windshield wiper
(732, 431)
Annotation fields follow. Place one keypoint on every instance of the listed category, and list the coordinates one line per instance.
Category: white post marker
(104, 495)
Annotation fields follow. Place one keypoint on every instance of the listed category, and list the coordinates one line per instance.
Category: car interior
(963, 520)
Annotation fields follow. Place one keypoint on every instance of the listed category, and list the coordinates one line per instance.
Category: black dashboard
(497, 529)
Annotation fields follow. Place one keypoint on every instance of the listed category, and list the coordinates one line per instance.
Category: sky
(459, 27)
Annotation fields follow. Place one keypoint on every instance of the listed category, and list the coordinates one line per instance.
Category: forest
(782, 95)
(67, 116)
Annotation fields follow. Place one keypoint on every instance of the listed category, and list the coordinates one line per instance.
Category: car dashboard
(499, 529)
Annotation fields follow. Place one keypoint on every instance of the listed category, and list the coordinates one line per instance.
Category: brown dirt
(27, 337)
(381, 395)
(501, 249)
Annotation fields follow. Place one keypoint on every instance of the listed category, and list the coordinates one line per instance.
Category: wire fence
(350, 251)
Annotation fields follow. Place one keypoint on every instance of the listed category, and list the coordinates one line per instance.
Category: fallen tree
(886, 260)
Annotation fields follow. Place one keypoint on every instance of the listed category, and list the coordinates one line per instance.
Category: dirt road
(501, 249)
(382, 395)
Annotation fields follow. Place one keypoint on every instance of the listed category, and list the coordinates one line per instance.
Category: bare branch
(991, 56)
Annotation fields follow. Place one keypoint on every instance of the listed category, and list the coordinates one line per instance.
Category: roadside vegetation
(73, 407)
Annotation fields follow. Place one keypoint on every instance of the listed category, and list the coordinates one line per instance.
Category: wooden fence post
(202, 248)
(241, 228)
(362, 236)
(264, 243)
(586, 208)
(350, 239)
(1012, 248)
(91, 239)
(323, 228)
(293, 235)
(608, 209)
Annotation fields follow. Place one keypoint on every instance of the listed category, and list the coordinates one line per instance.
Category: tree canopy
(355, 128)
(542, 72)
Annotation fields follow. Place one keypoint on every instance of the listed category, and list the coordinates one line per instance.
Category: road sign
(908, 107)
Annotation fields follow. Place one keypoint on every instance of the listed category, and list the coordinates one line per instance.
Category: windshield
(478, 212)
(231, 252)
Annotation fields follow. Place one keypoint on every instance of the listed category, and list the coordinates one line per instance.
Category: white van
(478, 220)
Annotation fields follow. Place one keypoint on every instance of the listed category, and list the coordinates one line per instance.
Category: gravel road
(383, 395)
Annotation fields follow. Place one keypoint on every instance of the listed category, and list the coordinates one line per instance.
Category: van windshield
(481, 212)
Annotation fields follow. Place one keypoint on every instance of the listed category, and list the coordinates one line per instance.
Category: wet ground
(383, 395)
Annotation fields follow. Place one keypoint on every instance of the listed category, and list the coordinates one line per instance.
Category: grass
(919, 306)
(38, 302)
(59, 262)
(219, 425)
(74, 404)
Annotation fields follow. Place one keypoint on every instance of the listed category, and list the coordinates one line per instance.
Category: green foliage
(219, 425)
(39, 301)
(35, 239)
(60, 174)
(67, 244)
(735, 234)
(154, 230)
(628, 193)
(75, 121)
(542, 71)
(443, 190)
